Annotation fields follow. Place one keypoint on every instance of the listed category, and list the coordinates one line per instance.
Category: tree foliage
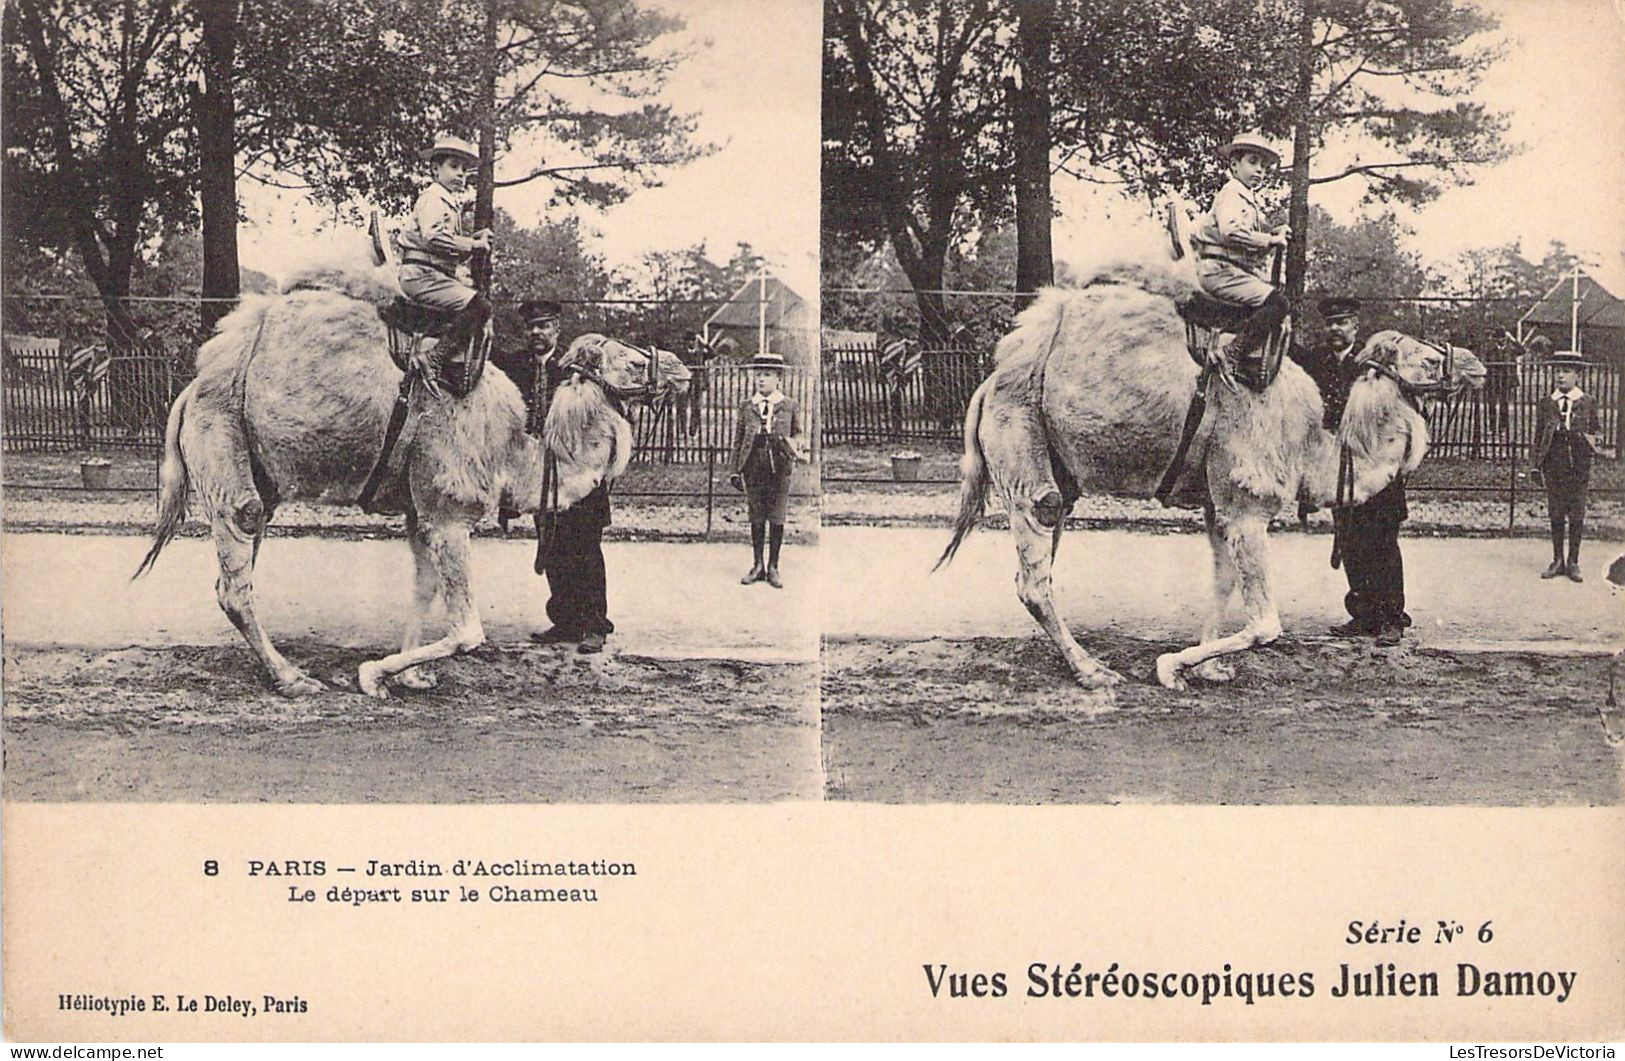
(917, 145)
(333, 97)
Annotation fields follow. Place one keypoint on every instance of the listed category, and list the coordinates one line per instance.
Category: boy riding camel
(436, 248)
(1233, 246)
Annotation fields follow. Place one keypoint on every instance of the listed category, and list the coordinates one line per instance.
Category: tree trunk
(217, 149)
(485, 115)
(1297, 255)
(1030, 126)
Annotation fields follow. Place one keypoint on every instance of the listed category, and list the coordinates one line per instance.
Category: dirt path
(142, 691)
(1312, 721)
(941, 688)
(511, 725)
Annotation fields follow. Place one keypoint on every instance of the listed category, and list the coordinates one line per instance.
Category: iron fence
(87, 399)
(1498, 422)
(687, 430)
(69, 385)
(864, 402)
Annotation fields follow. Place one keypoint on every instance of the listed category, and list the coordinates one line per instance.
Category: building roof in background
(744, 308)
(1598, 306)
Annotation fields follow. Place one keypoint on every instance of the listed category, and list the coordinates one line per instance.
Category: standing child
(767, 444)
(1566, 435)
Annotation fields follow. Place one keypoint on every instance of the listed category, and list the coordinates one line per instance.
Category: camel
(291, 399)
(1087, 396)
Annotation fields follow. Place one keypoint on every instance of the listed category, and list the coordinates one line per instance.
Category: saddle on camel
(440, 329)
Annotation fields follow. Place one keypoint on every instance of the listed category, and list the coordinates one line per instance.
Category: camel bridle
(1383, 365)
(591, 370)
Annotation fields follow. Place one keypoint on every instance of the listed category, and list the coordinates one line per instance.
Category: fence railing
(89, 399)
(862, 402)
(1498, 422)
(704, 420)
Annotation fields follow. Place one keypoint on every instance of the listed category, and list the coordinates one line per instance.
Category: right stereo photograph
(1221, 403)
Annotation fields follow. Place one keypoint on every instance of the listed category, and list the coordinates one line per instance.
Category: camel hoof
(371, 679)
(301, 684)
(421, 678)
(1215, 670)
(1168, 673)
(1098, 677)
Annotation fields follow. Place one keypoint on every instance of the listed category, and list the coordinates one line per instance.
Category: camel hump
(347, 267)
(1159, 278)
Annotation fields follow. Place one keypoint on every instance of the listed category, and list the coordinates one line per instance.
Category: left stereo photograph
(426, 420)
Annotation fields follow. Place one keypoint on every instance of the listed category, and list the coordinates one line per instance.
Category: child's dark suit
(1563, 455)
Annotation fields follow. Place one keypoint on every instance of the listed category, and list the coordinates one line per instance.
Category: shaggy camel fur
(291, 399)
(1088, 395)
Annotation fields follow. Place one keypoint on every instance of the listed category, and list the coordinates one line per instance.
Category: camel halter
(1414, 392)
(647, 388)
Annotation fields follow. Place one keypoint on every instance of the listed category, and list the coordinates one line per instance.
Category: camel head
(625, 372)
(1423, 369)
(1384, 432)
(587, 437)
(675, 378)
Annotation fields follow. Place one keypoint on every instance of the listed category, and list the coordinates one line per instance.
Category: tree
(684, 287)
(216, 119)
(98, 132)
(918, 145)
(1498, 284)
(911, 120)
(572, 75)
(1388, 80)
(1365, 260)
(121, 113)
(550, 261)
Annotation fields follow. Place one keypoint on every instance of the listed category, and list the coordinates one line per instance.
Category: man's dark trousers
(1369, 542)
(575, 567)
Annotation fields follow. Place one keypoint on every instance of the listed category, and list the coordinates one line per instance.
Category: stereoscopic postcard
(882, 519)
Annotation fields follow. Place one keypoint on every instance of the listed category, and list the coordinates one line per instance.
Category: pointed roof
(1598, 306)
(743, 310)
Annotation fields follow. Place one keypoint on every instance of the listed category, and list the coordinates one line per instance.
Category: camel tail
(172, 485)
(973, 479)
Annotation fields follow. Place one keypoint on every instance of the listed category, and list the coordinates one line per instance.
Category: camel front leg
(425, 588)
(448, 552)
(1247, 541)
(1612, 730)
(237, 529)
(1036, 527)
(1224, 586)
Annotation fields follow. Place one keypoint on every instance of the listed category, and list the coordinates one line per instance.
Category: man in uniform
(577, 604)
(534, 369)
(1332, 366)
(1233, 246)
(1367, 534)
(436, 249)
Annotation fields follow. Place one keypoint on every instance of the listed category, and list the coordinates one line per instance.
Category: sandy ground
(957, 696)
(142, 691)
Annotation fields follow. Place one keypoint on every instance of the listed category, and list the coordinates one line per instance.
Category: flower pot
(96, 474)
(905, 467)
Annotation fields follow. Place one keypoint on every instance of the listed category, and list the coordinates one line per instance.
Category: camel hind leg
(1019, 462)
(447, 547)
(238, 505)
(1246, 539)
(238, 530)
